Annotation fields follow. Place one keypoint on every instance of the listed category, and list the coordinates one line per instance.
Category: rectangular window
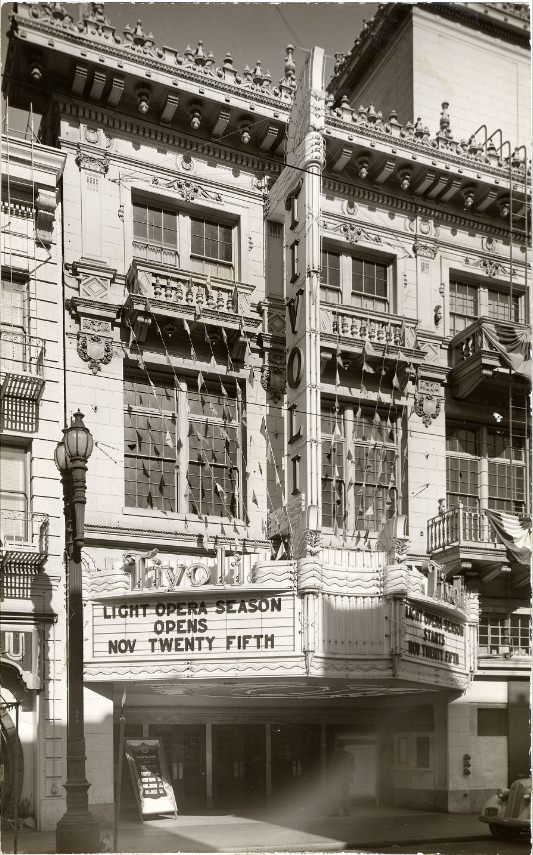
(369, 285)
(15, 351)
(214, 454)
(212, 240)
(462, 467)
(14, 499)
(502, 634)
(330, 287)
(491, 721)
(168, 426)
(502, 307)
(375, 457)
(155, 233)
(359, 460)
(294, 261)
(402, 750)
(333, 455)
(150, 444)
(463, 305)
(507, 481)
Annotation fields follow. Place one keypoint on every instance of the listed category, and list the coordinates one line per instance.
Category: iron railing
(23, 536)
(364, 325)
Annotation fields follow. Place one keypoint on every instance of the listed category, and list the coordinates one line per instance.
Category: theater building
(290, 323)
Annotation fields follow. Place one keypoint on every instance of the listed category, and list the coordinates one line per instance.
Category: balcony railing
(191, 291)
(474, 340)
(21, 365)
(461, 526)
(447, 592)
(363, 325)
(23, 538)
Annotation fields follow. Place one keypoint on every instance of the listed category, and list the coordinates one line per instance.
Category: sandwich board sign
(149, 774)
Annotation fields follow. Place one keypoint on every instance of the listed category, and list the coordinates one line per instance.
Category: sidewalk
(368, 828)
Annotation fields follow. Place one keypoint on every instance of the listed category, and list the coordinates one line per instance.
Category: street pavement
(368, 828)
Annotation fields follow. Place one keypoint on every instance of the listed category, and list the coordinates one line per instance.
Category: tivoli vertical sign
(305, 150)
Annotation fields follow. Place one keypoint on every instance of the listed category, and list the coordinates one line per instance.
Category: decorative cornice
(121, 533)
(417, 207)
(95, 32)
(154, 133)
(92, 160)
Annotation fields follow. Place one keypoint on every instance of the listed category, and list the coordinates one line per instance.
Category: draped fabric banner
(514, 533)
(513, 344)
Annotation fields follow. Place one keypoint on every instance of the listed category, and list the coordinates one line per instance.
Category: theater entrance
(239, 766)
(295, 760)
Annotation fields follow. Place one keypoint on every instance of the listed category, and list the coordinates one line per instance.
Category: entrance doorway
(239, 766)
(184, 747)
(295, 760)
(364, 750)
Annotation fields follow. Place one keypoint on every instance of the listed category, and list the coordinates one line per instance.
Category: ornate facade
(298, 333)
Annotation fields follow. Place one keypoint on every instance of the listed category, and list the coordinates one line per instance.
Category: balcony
(23, 540)
(21, 365)
(381, 336)
(190, 296)
(474, 359)
(464, 535)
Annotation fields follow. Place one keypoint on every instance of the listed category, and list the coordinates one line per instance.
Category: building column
(209, 764)
(98, 705)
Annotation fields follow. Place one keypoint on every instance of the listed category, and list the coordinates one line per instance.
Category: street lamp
(77, 830)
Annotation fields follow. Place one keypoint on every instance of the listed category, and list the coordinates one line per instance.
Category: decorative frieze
(425, 250)
(92, 161)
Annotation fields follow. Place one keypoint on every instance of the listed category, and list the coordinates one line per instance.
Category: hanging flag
(363, 391)
(369, 511)
(396, 382)
(187, 327)
(200, 381)
(220, 490)
(514, 533)
(367, 369)
(254, 498)
(251, 377)
(259, 467)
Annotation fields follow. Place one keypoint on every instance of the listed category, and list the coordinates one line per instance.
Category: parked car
(508, 813)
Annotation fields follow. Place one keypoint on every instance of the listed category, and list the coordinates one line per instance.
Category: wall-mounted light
(195, 112)
(363, 167)
(405, 178)
(143, 99)
(505, 208)
(245, 130)
(468, 196)
(36, 70)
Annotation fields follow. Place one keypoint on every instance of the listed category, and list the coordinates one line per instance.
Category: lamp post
(77, 830)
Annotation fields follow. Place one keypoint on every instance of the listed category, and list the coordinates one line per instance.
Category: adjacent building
(298, 330)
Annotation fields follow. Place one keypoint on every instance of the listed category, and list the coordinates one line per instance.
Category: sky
(250, 31)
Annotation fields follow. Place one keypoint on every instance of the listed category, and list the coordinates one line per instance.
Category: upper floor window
(180, 239)
(359, 462)
(14, 497)
(481, 471)
(15, 305)
(183, 448)
(211, 239)
(469, 301)
(330, 289)
(358, 281)
(369, 285)
(501, 634)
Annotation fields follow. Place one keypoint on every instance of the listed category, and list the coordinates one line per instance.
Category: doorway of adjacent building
(239, 766)
(364, 750)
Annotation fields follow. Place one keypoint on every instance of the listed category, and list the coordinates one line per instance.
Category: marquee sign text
(177, 626)
(433, 637)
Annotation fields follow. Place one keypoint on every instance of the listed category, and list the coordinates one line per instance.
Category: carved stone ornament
(92, 161)
(187, 190)
(489, 244)
(95, 326)
(95, 349)
(45, 205)
(489, 266)
(312, 542)
(186, 163)
(274, 377)
(354, 234)
(349, 208)
(424, 250)
(427, 407)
